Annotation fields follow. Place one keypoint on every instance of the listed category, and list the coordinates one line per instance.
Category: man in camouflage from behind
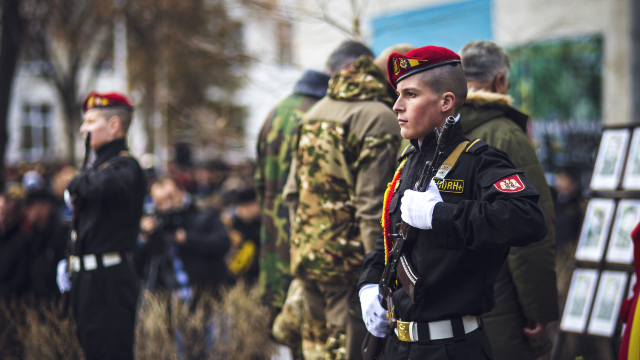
(275, 151)
(346, 155)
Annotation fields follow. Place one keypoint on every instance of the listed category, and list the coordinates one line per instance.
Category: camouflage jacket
(273, 164)
(346, 156)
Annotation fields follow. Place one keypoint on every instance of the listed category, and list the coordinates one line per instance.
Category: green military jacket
(526, 285)
(346, 156)
(275, 149)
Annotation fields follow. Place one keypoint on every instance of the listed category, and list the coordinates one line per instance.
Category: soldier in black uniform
(107, 199)
(467, 221)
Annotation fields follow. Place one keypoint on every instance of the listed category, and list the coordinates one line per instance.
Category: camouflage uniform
(275, 150)
(346, 156)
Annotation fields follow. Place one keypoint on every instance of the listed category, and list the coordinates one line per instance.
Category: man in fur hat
(525, 290)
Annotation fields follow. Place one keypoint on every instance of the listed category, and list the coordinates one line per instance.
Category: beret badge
(418, 60)
(107, 100)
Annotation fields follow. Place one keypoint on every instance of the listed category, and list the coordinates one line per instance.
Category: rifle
(63, 305)
(398, 265)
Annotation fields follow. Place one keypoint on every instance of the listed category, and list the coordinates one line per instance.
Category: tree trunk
(9, 51)
(148, 111)
(72, 114)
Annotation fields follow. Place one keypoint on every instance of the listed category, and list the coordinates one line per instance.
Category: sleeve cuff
(442, 221)
(372, 269)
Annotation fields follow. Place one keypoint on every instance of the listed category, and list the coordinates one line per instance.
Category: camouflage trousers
(332, 322)
(294, 327)
(287, 325)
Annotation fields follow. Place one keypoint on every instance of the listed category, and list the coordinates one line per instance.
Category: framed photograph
(620, 245)
(631, 180)
(613, 147)
(595, 229)
(611, 291)
(576, 310)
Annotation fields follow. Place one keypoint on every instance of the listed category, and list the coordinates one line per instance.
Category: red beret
(96, 100)
(417, 60)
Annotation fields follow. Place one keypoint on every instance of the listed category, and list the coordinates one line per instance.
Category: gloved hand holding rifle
(417, 210)
(63, 277)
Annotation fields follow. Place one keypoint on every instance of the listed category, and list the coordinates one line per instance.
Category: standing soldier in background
(107, 199)
(345, 157)
(275, 151)
(525, 290)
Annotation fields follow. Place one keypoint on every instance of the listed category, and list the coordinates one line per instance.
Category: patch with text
(452, 186)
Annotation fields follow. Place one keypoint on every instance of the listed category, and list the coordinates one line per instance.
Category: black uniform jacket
(47, 249)
(14, 262)
(108, 201)
(473, 228)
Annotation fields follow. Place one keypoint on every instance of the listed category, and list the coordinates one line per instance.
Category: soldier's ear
(115, 125)
(448, 101)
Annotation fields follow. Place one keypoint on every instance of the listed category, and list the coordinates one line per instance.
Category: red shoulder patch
(510, 184)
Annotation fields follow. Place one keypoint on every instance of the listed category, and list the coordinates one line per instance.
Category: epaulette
(123, 153)
(476, 146)
(408, 150)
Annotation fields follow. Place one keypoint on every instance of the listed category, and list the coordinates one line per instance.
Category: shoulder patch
(408, 150)
(510, 184)
(476, 146)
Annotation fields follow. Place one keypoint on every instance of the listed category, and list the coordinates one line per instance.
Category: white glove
(68, 199)
(64, 284)
(417, 207)
(374, 315)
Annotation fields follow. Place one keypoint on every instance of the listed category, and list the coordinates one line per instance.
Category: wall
(512, 23)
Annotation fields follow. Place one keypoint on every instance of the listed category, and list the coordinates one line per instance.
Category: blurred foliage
(69, 42)
(558, 79)
(232, 326)
(186, 58)
(559, 84)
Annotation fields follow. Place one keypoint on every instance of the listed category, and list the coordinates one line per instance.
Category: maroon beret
(108, 100)
(417, 60)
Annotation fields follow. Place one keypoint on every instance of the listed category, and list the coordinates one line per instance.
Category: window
(35, 132)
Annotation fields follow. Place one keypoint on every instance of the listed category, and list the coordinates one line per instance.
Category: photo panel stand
(604, 272)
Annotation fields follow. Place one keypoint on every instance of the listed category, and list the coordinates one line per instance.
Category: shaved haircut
(447, 78)
(124, 114)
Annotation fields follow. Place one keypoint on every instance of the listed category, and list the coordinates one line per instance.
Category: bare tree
(320, 10)
(69, 37)
(12, 37)
(185, 58)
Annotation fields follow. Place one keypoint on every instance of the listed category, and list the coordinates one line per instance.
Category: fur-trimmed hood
(480, 98)
(483, 106)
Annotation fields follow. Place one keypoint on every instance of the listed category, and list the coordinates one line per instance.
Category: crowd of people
(304, 221)
(35, 225)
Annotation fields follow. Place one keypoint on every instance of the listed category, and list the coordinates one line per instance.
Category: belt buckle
(75, 263)
(90, 262)
(111, 259)
(404, 330)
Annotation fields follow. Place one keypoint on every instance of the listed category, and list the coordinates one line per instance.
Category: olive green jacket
(525, 289)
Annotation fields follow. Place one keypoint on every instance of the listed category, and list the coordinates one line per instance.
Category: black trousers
(474, 346)
(104, 306)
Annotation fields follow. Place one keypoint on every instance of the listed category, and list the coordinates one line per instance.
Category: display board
(604, 275)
